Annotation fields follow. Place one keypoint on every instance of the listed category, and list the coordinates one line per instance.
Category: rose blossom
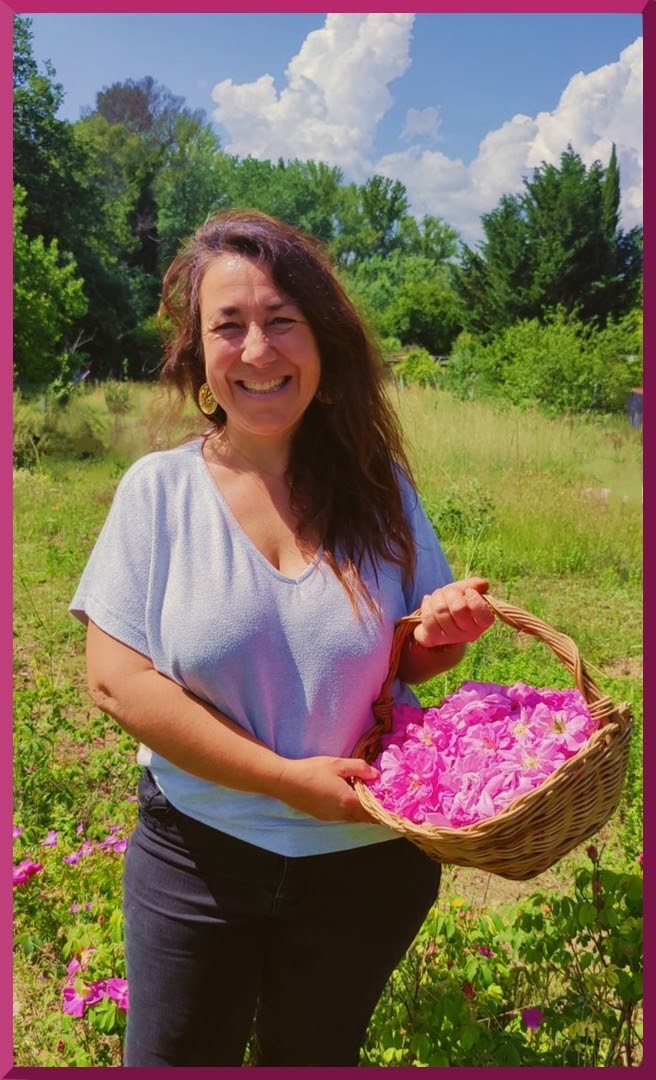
(482, 748)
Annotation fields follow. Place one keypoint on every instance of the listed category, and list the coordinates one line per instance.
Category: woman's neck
(266, 457)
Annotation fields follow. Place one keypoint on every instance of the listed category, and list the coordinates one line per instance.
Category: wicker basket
(538, 828)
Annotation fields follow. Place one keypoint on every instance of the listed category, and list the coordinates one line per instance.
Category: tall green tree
(430, 236)
(304, 194)
(187, 186)
(63, 204)
(407, 297)
(556, 245)
(496, 283)
(48, 162)
(48, 302)
(369, 219)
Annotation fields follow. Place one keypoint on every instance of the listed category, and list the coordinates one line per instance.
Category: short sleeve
(432, 568)
(114, 587)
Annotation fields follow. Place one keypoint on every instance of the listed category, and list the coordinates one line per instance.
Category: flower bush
(484, 746)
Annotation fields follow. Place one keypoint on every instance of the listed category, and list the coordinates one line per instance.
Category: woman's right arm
(202, 741)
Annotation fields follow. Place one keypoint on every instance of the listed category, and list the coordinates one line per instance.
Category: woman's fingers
(454, 614)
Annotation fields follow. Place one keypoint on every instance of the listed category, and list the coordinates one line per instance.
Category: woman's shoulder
(163, 467)
(407, 488)
(159, 474)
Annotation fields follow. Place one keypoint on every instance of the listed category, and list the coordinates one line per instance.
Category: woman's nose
(256, 347)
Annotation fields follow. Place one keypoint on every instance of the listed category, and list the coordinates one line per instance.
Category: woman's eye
(281, 320)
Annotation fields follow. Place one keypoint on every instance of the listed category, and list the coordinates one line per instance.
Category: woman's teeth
(264, 387)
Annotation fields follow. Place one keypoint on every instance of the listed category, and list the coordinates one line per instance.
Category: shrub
(418, 367)
(117, 396)
(563, 365)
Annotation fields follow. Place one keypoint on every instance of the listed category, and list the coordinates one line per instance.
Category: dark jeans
(224, 938)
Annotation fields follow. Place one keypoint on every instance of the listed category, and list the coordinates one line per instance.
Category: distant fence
(634, 407)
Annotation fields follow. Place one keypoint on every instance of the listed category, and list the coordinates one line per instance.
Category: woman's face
(261, 359)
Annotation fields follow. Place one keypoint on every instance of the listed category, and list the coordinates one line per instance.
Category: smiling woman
(240, 603)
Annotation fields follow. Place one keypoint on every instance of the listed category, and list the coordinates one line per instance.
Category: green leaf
(439, 1059)
(586, 914)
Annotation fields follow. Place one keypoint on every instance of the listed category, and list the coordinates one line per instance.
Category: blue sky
(458, 107)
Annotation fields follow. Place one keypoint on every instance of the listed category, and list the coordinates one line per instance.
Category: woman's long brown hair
(347, 452)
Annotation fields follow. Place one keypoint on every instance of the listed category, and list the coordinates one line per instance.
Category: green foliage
(418, 366)
(118, 396)
(555, 245)
(187, 187)
(143, 348)
(57, 426)
(116, 166)
(48, 298)
(462, 511)
(48, 162)
(302, 193)
(458, 998)
(563, 365)
(408, 296)
(110, 198)
(369, 220)
(70, 913)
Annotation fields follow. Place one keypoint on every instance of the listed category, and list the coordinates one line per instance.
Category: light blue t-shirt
(174, 576)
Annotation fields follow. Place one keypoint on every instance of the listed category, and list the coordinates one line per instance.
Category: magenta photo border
(646, 8)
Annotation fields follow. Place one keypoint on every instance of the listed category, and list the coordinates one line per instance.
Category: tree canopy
(103, 204)
(556, 245)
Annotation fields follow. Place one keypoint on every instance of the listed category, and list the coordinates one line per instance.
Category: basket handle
(560, 644)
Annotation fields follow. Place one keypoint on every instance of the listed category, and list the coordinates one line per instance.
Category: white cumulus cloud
(421, 123)
(335, 96)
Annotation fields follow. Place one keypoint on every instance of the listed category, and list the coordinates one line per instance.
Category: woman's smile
(269, 387)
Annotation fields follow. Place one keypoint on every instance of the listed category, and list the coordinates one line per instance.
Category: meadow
(546, 972)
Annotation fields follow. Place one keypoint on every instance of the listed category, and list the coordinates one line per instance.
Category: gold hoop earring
(207, 403)
(325, 398)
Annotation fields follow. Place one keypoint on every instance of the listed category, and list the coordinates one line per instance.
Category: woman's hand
(319, 786)
(454, 614)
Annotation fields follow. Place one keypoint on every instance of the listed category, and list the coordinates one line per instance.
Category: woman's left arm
(451, 617)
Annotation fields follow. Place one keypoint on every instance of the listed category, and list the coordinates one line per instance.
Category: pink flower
(484, 951)
(25, 870)
(591, 852)
(532, 1018)
(482, 748)
(81, 853)
(117, 990)
(51, 839)
(76, 999)
(17, 832)
(77, 964)
(75, 908)
(114, 843)
(78, 996)
(640, 860)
